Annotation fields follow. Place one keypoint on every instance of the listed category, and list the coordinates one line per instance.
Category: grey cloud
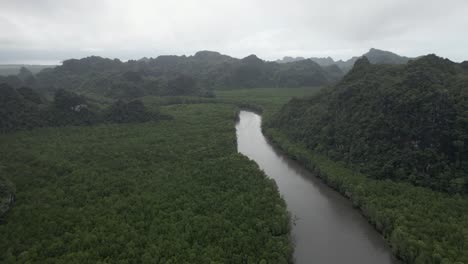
(60, 29)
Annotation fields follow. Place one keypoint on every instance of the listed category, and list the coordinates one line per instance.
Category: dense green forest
(24, 108)
(196, 75)
(173, 191)
(400, 122)
(421, 225)
(375, 137)
(380, 133)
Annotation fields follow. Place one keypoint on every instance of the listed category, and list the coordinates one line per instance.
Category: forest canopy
(24, 108)
(175, 191)
(178, 75)
(402, 122)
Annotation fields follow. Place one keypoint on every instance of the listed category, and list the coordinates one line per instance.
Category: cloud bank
(54, 30)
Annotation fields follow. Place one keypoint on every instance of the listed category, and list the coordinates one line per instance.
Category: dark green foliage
(181, 85)
(132, 112)
(16, 112)
(395, 122)
(30, 95)
(133, 76)
(421, 225)
(250, 72)
(179, 75)
(334, 72)
(69, 108)
(23, 109)
(170, 192)
(11, 80)
(299, 74)
(69, 101)
(89, 65)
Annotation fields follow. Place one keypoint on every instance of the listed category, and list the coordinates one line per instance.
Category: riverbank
(421, 226)
(326, 228)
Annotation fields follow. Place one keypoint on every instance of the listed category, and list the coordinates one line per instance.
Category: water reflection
(327, 229)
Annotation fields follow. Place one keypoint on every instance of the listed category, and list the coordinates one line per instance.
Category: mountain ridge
(375, 56)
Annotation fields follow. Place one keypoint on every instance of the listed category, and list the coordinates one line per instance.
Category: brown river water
(327, 229)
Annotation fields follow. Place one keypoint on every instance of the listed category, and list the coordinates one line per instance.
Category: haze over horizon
(52, 30)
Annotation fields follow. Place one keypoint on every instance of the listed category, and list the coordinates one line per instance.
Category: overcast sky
(41, 31)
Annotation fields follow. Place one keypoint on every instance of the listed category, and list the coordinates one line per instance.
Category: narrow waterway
(327, 229)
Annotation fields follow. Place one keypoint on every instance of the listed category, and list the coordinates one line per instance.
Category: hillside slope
(180, 75)
(402, 122)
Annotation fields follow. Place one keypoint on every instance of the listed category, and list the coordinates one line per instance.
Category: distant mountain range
(375, 56)
(173, 75)
(197, 74)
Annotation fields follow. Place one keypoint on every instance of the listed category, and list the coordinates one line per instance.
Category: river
(327, 229)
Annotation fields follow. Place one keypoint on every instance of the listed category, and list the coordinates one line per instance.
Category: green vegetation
(23, 108)
(265, 100)
(196, 75)
(17, 111)
(405, 122)
(421, 225)
(378, 135)
(131, 190)
(175, 191)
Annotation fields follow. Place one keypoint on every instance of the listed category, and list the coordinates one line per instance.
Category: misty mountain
(287, 59)
(13, 69)
(323, 61)
(203, 72)
(375, 56)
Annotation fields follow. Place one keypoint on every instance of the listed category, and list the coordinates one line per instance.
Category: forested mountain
(196, 75)
(401, 122)
(193, 75)
(324, 61)
(375, 56)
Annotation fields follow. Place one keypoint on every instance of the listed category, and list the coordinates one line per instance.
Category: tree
(69, 101)
(30, 95)
(69, 109)
(15, 112)
(134, 111)
(181, 85)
